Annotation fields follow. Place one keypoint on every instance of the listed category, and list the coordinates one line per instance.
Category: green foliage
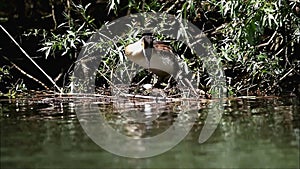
(9, 87)
(255, 43)
(256, 40)
(74, 36)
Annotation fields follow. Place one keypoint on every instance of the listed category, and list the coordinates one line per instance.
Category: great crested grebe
(159, 58)
(154, 55)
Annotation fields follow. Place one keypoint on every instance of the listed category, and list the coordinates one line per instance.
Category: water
(253, 133)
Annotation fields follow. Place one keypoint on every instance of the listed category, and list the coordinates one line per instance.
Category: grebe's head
(147, 46)
(140, 50)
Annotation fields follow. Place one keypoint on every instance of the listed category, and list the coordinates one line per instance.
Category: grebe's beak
(148, 55)
(147, 41)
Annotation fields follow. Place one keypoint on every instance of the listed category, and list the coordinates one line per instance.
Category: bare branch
(23, 51)
(26, 74)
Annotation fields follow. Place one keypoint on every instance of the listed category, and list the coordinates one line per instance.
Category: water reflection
(145, 118)
(132, 121)
(253, 133)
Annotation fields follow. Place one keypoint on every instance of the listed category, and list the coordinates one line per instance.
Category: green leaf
(48, 52)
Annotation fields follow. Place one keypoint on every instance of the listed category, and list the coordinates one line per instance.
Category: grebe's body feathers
(156, 56)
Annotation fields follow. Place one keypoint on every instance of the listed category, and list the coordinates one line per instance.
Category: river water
(44, 132)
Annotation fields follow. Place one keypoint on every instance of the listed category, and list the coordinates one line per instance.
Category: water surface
(253, 133)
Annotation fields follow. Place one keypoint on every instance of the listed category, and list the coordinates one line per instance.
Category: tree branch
(23, 51)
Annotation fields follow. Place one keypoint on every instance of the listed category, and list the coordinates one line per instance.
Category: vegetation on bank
(257, 41)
